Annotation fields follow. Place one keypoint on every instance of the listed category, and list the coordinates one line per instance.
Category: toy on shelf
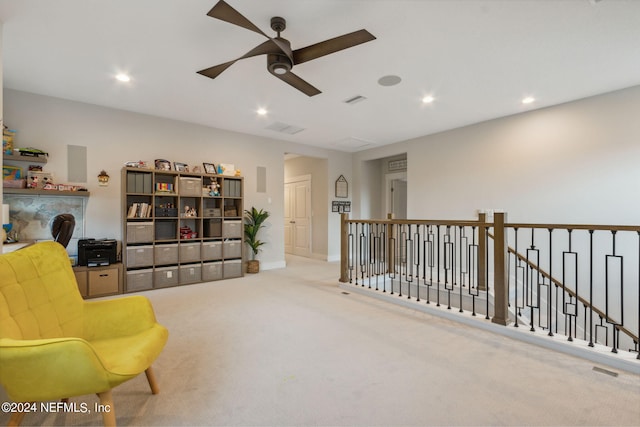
(214, 188)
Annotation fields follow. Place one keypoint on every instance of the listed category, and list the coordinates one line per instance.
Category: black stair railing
(581, 281)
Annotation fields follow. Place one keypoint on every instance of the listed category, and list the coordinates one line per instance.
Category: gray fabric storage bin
(189, 252)
(140, 256)
(139, 232)
(211, 271)
(232, 268)
(139, 280)
(190, 273)
(164, 277)
(232, 249)
(232, 229)
(211, 250)
(190, 187)
(166, 254)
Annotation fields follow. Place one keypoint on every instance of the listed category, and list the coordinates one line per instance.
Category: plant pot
(253, 266)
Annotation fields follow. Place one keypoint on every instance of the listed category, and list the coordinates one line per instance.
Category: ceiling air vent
(284, 128)
(354, 99)
(352, 144)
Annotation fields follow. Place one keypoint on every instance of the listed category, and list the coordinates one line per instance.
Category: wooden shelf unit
(175, 233)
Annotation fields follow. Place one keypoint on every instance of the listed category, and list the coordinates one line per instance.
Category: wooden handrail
(451, 223)
(590, 227)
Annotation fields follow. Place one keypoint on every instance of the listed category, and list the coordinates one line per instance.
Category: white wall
(572, 163)
(113, 137)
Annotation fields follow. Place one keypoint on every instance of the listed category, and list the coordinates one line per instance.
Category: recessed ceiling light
(123, 77)
(261, 111)
(528, 100)
(428, 99)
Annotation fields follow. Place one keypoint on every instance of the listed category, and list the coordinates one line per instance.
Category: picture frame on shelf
(209, 168)
(180, 167)
(11, 172)
(162, 164)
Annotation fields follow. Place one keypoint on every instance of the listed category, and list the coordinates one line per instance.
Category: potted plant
(254, 221)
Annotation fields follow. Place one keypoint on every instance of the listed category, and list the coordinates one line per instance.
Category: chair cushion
(39, 295)
(127, 356)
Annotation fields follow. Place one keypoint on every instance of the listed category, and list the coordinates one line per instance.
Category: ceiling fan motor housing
(277, 63)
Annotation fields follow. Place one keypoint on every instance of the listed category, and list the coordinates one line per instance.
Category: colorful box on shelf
(164, 187)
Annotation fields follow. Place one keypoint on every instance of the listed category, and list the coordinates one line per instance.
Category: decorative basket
(253, 266)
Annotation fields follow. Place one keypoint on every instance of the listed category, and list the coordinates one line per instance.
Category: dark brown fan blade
(331, 46)
(216, 70)
(226, 13)
(264, 48)
(298, 83)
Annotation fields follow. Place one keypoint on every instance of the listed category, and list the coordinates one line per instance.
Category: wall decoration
(180, 167)
(209, 168)
(226, 169)
(342, 187)
(103, 178)
(162, 164)
(340, 206)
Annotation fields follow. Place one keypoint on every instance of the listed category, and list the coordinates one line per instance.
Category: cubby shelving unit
(175, 232)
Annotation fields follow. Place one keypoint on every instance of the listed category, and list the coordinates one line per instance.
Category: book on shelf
(139, 210)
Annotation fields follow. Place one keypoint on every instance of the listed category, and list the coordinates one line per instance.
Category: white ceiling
(478, 58)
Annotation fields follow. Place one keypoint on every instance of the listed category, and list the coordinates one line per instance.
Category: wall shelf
(31, 192)
(28, 159)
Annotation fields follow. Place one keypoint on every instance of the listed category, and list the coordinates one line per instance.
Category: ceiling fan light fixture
(280, 69)
(278, 64)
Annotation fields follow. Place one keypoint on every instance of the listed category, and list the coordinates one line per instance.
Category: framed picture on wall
(342, 187)
(209, 168)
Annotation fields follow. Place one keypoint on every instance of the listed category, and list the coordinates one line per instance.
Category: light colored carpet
(290, 348)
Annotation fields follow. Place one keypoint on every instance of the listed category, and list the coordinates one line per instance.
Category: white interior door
(297, 218)
(396, 200)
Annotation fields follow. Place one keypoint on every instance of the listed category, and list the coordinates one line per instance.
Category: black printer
(93, 253)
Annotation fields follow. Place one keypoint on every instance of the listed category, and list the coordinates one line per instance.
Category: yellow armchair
(54, 345)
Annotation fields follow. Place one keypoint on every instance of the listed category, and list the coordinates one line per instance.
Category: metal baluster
(615, 326)
(416, 248)
(637, 342)
(438, 265)
(472, 268)
(591, 288)
(549, 296)
(486, 291)
(350, 253)
(362, 253)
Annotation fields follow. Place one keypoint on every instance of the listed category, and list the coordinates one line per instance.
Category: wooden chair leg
(107, 409)
(16, 418)
(152, 381)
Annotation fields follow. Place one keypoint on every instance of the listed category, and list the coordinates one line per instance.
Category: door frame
(389, 178)
(307, 178)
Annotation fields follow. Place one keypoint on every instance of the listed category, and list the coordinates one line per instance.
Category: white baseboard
(272, 265)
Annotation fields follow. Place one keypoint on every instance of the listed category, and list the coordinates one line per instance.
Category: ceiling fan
(280, 57)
